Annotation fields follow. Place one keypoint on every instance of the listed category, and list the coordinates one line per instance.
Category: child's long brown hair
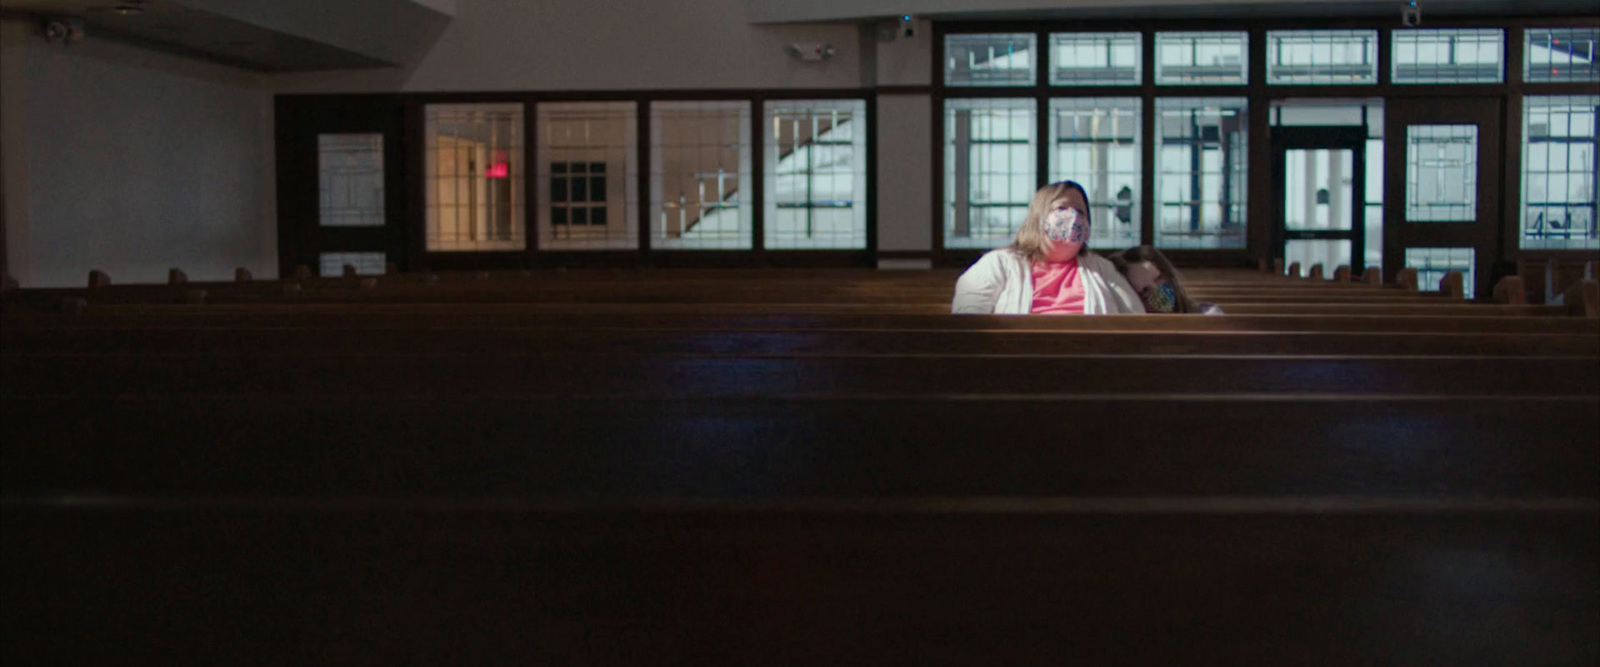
(1145, 253)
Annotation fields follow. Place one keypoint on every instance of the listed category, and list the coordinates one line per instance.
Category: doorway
(1320, 176)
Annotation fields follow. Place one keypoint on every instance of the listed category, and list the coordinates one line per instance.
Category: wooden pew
(767, 478)
(1510, 291)
(561, 373)
(1545, 278)
(506, 580)
(802, 447)
(274, 340)
(748, 316)
(1435, 308)
(932, 291)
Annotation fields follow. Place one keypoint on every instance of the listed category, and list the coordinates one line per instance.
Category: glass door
(1320, 178)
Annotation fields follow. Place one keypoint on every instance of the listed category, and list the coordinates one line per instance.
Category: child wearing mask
(1156, 282)
(1048, 268)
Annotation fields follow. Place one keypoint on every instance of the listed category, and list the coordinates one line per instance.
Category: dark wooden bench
(1545, 277)
(557, 372)
(755, 316)
(627, 482)
(957, 445)
(638, 286)
(437, 580)
(266, 339)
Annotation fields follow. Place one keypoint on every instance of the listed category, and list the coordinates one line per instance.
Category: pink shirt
(1057, 288)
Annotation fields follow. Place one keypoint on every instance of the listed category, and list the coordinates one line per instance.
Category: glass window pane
(1448, 56)
(1317, 112)
(1318, 185)
(700, 175)
(580, 189)
(1322, 56)
(578, 140)
(1330, 253)
(815, 183)
(989, 60)
(1441, 173)
(331, 264)
(990, 172)
(1561, 54)
(1201, 172)
(473, 177)
(350, 180)
(1559, 152)
(1432, 263)
(1096, 59)
(1095, 141)
(1202, 58)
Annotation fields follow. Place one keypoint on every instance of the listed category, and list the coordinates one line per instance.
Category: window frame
(1510, 90)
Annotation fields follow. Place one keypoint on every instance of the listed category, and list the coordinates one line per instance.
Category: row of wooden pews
(794, 467)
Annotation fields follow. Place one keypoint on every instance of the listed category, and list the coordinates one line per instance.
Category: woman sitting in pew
(1048, 269)
(1156, 282)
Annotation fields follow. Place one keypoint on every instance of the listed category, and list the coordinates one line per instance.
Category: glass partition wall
(1169, 125)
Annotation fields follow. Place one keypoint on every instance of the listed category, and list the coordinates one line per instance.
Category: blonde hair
(1031, 242)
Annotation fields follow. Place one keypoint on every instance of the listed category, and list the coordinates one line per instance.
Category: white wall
(906, 61)
(515, 45)
(905, 207)
(134, 162)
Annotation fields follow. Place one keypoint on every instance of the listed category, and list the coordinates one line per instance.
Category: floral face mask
(1161, 298)
(1065, 225)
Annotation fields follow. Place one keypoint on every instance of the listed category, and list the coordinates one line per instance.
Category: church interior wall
(131, 161)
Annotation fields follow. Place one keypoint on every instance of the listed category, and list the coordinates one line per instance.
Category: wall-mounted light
(810, 51)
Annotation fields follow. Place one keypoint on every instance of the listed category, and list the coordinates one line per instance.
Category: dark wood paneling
(1483, 234)
(298, 122)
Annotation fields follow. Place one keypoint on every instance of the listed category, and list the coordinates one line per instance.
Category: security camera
(1411, 14)
(908, 25)
(64, 30)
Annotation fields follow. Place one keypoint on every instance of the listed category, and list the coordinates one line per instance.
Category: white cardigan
(1001, 282)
